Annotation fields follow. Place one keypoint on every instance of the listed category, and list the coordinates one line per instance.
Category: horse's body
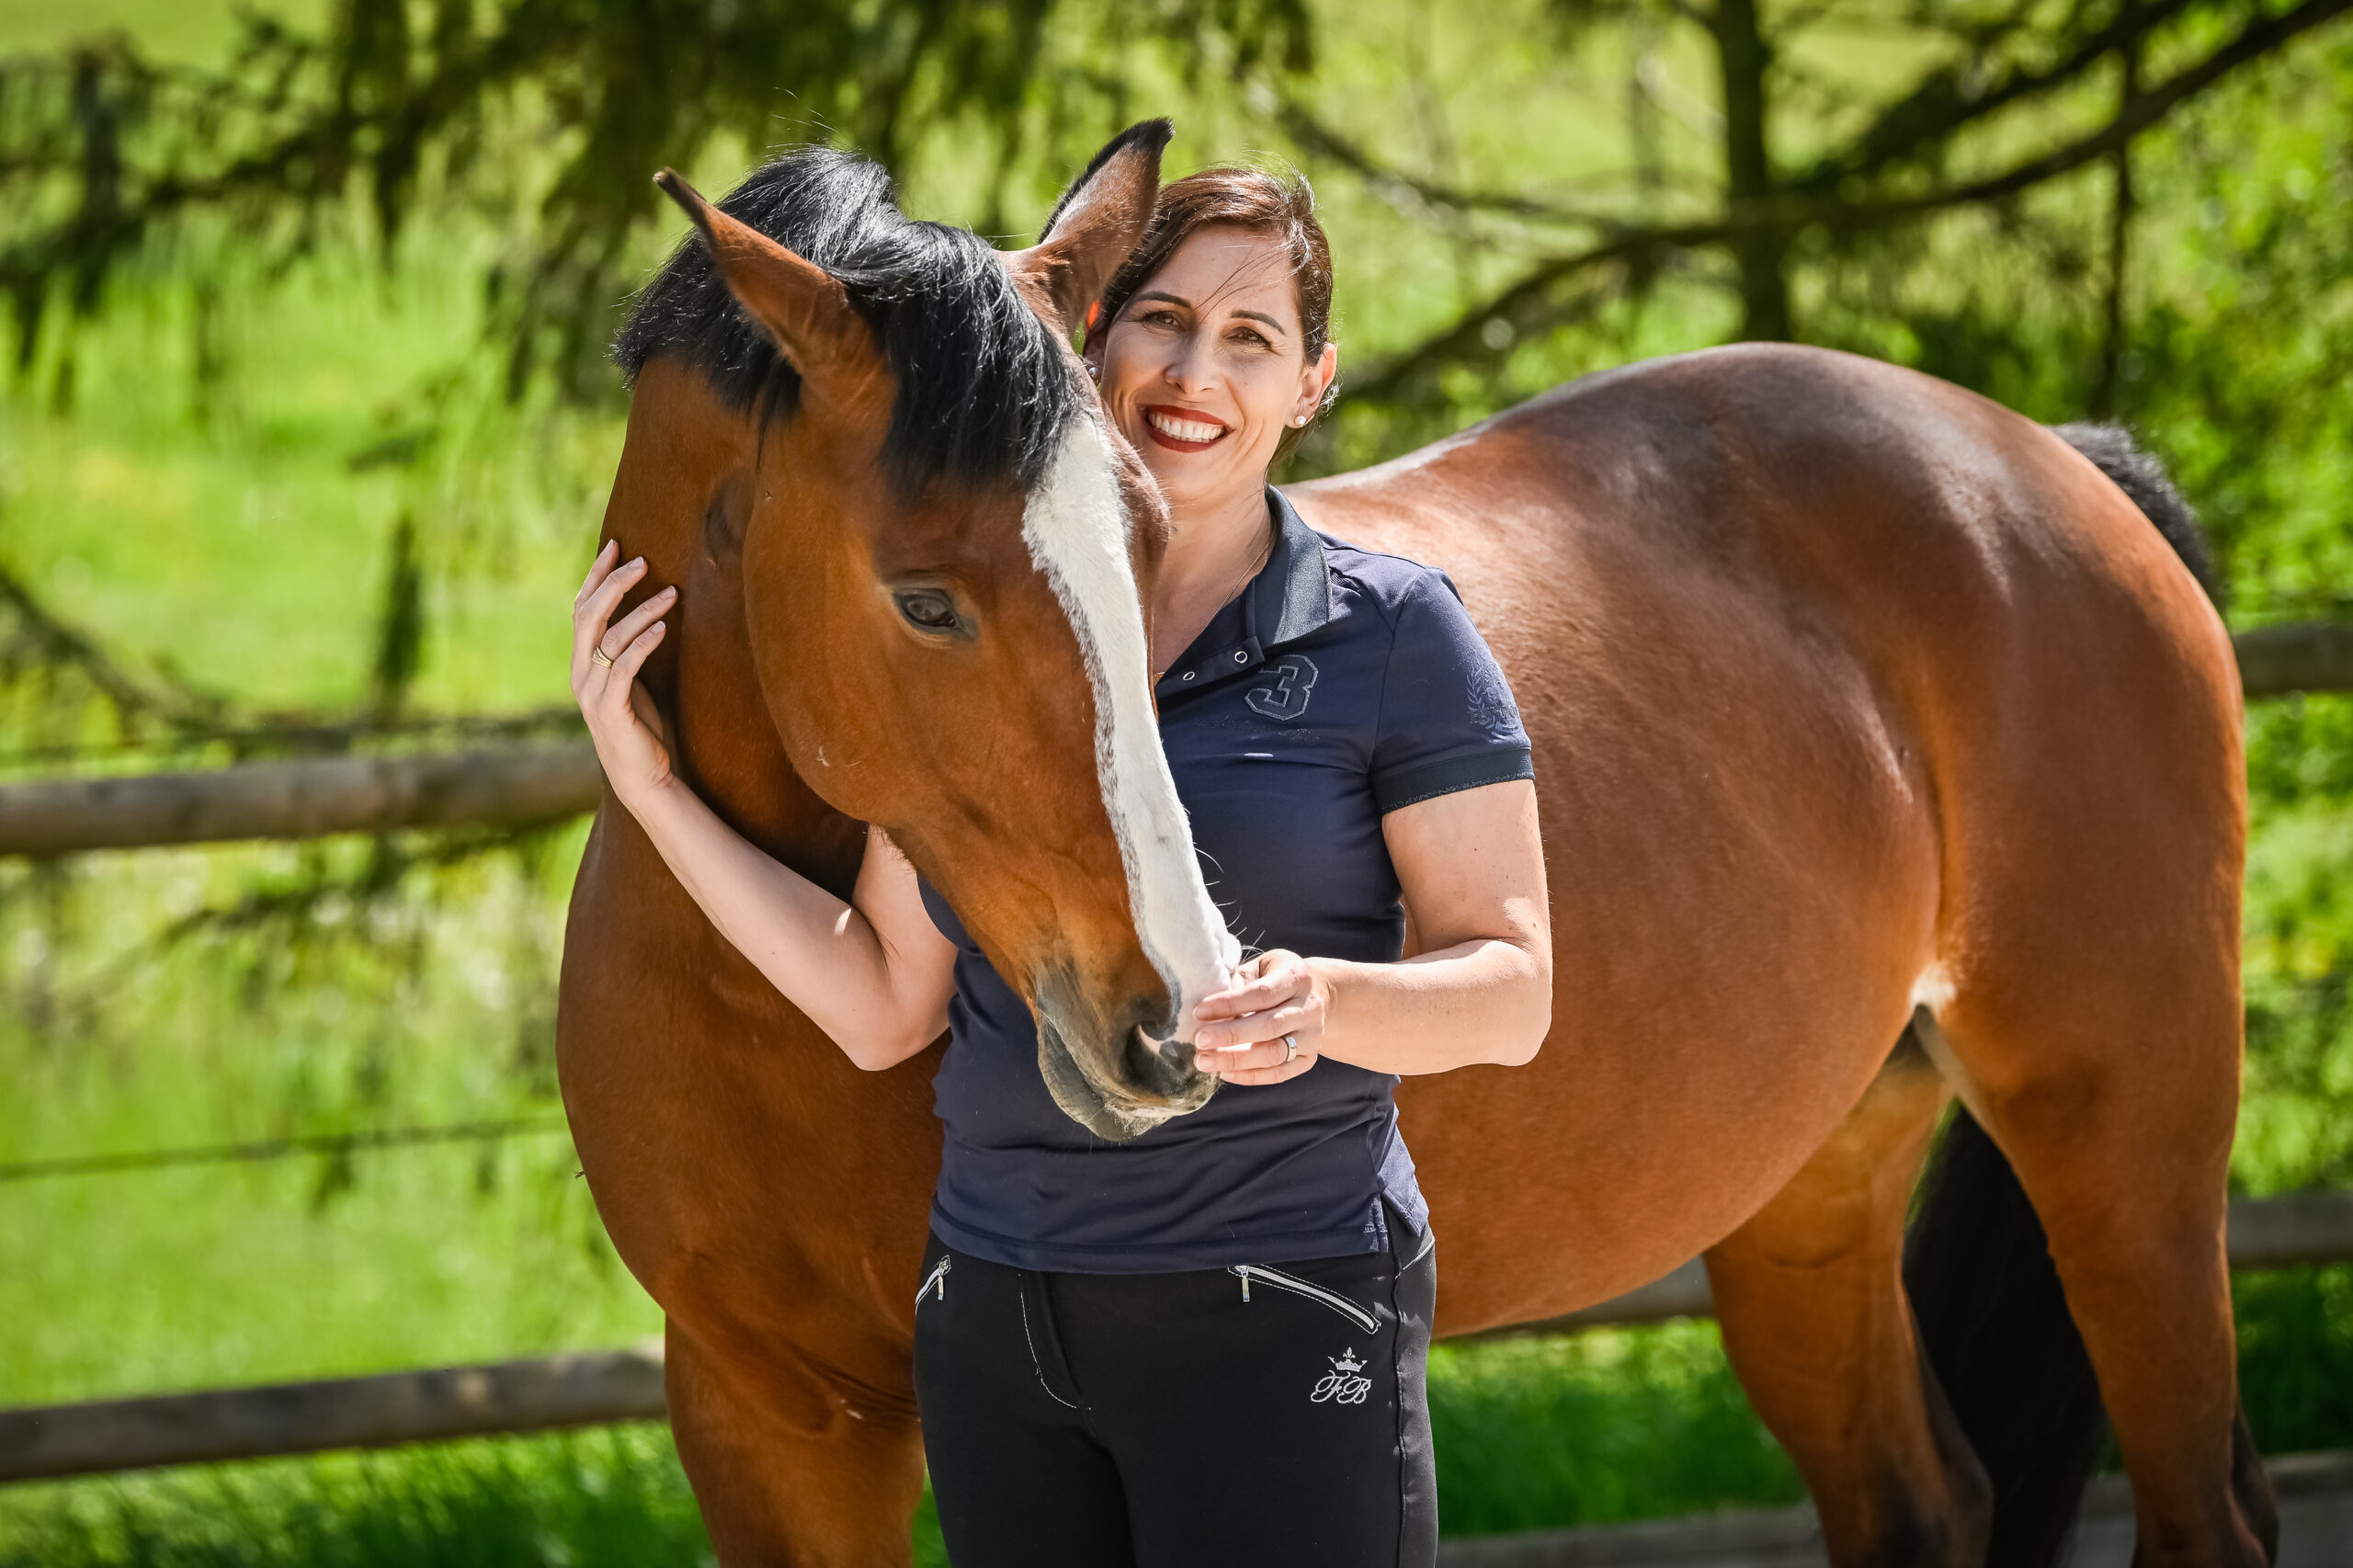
(1884, 748)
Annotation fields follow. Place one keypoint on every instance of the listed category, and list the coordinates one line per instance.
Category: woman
(1208, 1343)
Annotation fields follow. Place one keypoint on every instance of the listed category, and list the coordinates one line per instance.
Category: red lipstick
(1183, 416)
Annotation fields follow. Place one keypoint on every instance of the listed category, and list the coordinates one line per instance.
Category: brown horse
(1886, 750)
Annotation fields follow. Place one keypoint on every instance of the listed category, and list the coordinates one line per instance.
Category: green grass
(1595, 1430)
(426, 1008)
(614, 1498)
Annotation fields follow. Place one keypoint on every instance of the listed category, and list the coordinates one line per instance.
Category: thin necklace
(1258, 562)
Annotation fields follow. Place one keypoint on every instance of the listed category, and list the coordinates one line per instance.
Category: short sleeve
(1447, 720)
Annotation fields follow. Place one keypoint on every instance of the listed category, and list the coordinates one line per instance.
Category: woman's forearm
(1471, 867)
(821, 952)
(881, 1004)
(1488, 1000)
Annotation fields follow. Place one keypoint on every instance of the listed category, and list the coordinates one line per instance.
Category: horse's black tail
(1995, 1328)
(2140, 476)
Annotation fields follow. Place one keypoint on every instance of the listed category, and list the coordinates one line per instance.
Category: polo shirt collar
(1293, 594)
(1290, 597)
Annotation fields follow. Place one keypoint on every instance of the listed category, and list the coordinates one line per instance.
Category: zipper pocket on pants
(937, 1280)
(1247, 1272)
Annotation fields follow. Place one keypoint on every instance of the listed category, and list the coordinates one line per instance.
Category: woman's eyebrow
(1187, 304)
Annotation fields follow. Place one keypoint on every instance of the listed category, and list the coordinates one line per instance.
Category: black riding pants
(1237, 1417)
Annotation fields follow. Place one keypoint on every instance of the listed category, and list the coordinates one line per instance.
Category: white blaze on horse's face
(1077, 527)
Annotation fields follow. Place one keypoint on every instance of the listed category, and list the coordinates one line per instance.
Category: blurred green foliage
(289, 475)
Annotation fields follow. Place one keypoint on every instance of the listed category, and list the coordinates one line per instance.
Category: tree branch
(2256, 40)
(1938, 106)
(1523, 304)
(1410, 192)
(1644, 245)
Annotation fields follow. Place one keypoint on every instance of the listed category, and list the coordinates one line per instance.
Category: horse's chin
(1108, 1112)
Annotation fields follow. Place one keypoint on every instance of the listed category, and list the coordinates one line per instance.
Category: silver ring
(1291, 1048)
(599, 655)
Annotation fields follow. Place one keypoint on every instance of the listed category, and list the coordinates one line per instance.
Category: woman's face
(1205, 368)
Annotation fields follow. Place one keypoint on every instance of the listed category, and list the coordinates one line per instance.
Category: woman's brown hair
(1280, 205)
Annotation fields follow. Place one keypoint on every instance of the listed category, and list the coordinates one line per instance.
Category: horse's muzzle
(1118, 1074)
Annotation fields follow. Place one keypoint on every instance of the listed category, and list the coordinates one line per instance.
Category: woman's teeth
(1183, 429)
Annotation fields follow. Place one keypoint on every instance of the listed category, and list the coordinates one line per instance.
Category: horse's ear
(1100, 219)
(803, 306)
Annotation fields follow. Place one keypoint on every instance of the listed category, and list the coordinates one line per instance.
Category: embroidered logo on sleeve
(1293, 677)
(1342, 1384)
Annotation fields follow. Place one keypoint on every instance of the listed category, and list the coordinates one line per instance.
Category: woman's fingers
(648, 711)
(632, 658)
(1296, 1014)
(1264, 980)
(1254, 1077)
(1281, 999)
(1258, 1040)
(633, 746)
(1229, 1059)
(589, 617)
(596, 570)
(624, 630)
(1243, 1038)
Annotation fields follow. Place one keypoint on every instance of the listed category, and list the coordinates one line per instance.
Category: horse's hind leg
(2113, 1090)
(1810, 1292)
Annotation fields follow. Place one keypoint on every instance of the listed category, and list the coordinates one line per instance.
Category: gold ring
(600, 656)
(1291, 1048)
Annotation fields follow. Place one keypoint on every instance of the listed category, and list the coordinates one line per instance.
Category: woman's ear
(1314, 382)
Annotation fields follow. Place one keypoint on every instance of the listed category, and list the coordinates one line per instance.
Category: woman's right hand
(623, 719)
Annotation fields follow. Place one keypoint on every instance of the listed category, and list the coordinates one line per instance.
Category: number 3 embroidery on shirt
(1294, 677)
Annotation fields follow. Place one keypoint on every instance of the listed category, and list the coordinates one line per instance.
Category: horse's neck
(729, 751)
(666, 507)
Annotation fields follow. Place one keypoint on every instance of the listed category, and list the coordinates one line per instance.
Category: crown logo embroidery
(1345, 1384)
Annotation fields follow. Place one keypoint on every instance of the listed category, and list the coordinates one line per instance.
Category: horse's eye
(928, 610)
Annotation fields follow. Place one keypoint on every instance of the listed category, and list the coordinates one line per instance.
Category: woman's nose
(1189, 372)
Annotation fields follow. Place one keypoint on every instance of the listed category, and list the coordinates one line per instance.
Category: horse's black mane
(984, 393)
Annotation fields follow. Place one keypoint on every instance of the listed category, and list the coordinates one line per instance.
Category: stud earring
(1299, 419)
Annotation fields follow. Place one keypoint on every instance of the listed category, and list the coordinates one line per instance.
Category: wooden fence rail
(525, 786)
(549, 1392)
(307, 798)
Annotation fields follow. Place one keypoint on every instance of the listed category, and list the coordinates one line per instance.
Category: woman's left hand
(1241, 1031)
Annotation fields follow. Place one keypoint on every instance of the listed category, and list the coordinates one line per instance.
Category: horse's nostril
(1176, 1054)
(1156, 1067)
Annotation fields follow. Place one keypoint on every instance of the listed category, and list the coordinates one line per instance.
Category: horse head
(946, 550)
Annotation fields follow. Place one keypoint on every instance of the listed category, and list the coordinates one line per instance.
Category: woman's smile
(1183, 429)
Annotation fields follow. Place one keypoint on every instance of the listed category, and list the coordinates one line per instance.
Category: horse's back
(1784, 626)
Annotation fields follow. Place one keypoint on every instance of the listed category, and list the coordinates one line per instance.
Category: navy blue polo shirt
(1338, 685)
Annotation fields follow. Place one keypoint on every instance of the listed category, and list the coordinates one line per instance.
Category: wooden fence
(547, 1392)
(525, 786)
